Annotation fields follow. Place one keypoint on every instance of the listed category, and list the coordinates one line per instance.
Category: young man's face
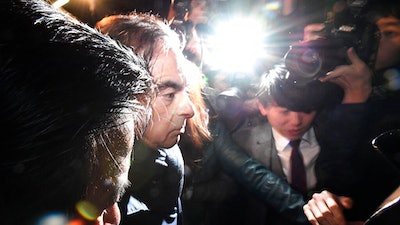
(172, 106)
(289, 124)
(389, 45)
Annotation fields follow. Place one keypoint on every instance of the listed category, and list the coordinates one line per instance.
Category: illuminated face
(389, 46)
(109, 176)
(172, 106)
(289, 124)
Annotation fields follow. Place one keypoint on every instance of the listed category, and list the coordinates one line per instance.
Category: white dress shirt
(309, 148)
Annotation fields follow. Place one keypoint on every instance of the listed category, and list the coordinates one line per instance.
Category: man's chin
(171, 143)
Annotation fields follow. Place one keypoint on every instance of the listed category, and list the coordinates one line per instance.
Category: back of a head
(314, 95)
(61, 82)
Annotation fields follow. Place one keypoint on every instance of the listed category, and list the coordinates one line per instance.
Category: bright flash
(60, 3)
(237, 44)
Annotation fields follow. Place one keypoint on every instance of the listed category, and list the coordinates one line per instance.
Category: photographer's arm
(355, 79)
(272, 190)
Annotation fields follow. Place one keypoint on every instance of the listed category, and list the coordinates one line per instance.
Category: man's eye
(284, 112)
(170, 95)
(386, 34)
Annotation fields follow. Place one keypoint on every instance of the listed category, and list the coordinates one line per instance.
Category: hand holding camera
(327, 46)
(355, 79)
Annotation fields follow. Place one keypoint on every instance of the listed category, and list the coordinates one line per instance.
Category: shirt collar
(282, 142)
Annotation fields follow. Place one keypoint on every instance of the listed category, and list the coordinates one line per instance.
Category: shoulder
(253, 124)
(254, 131)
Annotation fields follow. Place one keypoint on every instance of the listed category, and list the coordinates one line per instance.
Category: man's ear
(262, 108)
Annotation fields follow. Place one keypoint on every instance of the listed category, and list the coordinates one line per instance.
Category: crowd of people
(118, 123)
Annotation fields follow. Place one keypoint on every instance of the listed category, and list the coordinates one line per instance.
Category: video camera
(309, 60)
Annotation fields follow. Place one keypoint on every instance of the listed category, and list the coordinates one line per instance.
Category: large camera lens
(304, 63)
(307, 61)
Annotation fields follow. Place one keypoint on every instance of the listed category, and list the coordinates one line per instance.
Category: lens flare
(393, 78)
(54, 218)
(87, 210)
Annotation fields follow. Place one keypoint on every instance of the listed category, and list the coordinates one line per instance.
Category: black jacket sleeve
(348, 165)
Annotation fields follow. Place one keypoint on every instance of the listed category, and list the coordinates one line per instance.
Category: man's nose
(295, 118)
(110, 216)
(187, 108)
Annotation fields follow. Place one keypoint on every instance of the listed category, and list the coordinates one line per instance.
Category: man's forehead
(176, 81)
(273, 103)
(182, 77)
(388, 21)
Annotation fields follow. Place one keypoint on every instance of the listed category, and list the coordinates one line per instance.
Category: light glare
(59, 3)
(237, 45)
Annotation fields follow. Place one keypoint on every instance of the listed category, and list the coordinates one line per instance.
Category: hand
(355, 79)
(326, 208)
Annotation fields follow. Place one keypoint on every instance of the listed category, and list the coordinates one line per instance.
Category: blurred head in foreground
(72, 102)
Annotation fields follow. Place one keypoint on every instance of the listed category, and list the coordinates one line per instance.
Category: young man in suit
(304, 113)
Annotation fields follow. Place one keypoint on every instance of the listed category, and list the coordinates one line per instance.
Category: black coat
(352, 166)
(157, 182)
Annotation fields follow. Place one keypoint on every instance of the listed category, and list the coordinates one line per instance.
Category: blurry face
(172, 106)
(198, 11)
(389, 46)
(289, 124)
(110, 175)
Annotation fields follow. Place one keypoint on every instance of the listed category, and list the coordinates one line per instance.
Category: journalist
(378, 103)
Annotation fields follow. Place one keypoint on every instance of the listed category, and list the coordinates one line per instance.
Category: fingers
(356, 66)
(335, 208)
(353, 57)
(323, 209)
(354, 79)
(338, 72)
(308, 211)
(345, 202)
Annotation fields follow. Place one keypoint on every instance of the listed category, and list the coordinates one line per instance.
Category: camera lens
(309, 63)
(303, 63)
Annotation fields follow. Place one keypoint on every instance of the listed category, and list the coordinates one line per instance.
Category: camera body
(309, 60)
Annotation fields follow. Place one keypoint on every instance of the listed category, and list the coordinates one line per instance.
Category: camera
(309, 60)
(240, 87)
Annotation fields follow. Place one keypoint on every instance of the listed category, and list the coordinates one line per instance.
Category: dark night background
(288, 29)
(307, 9)
(81, 8)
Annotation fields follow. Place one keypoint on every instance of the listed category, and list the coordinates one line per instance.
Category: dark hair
(63, 84)
(139, 31)
(376, 9)
(314, 95)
